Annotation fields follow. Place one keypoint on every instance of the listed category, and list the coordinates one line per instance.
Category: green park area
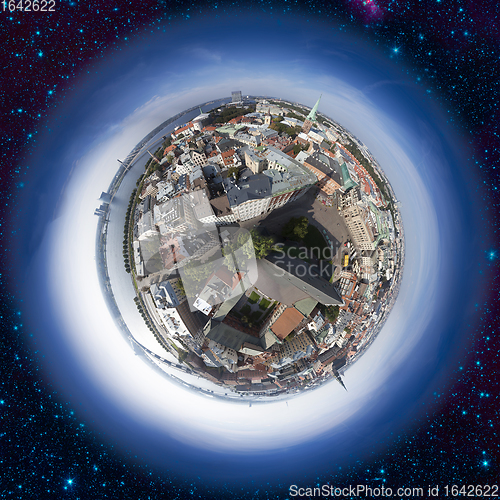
(251, 316)
(314, 239)
(298, 229)
(264, 304)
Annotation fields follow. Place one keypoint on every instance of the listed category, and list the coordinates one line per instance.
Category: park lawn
(264, 304)
(255, 316)
(269, 311)
(314, 239)
(254, 298)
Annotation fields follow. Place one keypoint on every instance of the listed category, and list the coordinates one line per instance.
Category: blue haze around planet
(421, 344)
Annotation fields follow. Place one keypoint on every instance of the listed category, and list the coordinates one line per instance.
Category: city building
(236, 96)
(145, 226)
(357, 222)
(263, 333)
(255, 160)
(326, 169)
(222, 210)
(299, 347)
(173, 216)
(289, 279)
(347, 198)
(249, 197)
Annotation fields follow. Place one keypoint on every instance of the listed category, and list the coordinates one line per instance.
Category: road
(121, 281)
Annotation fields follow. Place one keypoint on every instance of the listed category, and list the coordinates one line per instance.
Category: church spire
(312, 115)
(338, 378)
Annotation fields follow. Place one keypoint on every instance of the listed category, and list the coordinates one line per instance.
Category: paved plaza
(327, 219)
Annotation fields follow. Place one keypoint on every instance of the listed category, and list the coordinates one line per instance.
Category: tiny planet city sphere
(265, 246)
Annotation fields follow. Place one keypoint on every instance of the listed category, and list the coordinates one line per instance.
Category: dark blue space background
(450, 51)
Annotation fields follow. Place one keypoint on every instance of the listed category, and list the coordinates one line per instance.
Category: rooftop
(306, 306)
(249, 188)
(228, 336)
(220, 205)
(287, 322)
(227, 144)
(304, 276)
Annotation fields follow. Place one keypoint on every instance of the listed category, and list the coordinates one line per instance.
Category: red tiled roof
(237, 277)
(169, 148)
(286, 322)
(180, 130)
(261, 367)
(224, 275)
(227, 157)
(229, 152)
(252, 374)
(227, 277)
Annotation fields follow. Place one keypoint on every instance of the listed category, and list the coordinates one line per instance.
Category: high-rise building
(236, 96)
(356, 221)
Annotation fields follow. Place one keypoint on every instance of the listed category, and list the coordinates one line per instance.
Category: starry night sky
(451, 49)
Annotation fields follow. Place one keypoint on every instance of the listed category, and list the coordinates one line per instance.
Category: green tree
(236, 251)
(229, 113)
(280, 128)
(294, 115)
(331, 313)
(263, 245)
(229, 260)
(246, 321)
(199, 273)
(296, 228)
(234, 172)
(298, 148)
